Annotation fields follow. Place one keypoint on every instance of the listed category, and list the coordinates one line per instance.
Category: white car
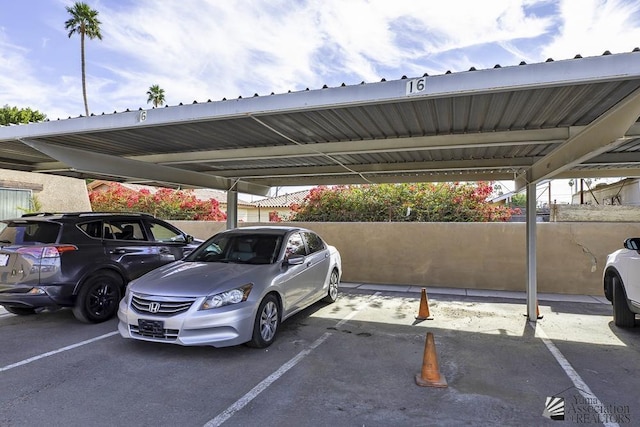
(235, 288)
(621, 280)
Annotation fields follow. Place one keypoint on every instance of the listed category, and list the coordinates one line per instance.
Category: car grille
(160, 307)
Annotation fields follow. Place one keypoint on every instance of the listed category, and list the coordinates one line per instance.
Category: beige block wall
(594, 213)
(570, 256)
(200, 229)
(59, 193)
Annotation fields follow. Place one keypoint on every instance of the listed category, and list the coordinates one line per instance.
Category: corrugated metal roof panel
(342, 127)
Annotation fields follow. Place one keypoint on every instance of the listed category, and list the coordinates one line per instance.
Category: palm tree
(83, 21)
(156, 95)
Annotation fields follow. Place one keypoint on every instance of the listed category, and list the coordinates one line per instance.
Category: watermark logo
(554, 408)
(585, 408)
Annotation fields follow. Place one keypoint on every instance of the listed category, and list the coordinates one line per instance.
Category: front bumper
(221, 327)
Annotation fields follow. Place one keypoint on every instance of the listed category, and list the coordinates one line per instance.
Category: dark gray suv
(81, 260)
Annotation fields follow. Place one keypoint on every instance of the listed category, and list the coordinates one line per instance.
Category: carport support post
(232, 209)
(532, 293)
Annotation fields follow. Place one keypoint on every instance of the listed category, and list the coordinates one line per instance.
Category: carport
(573, 118)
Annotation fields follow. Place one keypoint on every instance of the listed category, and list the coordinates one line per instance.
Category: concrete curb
(482, 293)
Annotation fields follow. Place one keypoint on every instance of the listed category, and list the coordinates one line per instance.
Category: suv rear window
(30, 233)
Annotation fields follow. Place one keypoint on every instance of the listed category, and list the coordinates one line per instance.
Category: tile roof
(282, 201)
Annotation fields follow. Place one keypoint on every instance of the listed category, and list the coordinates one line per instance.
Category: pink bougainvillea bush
(164, 203)
(426, 202)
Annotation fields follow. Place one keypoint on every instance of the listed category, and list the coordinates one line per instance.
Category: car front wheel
(266, 323)
(98, 298)
(622, 316)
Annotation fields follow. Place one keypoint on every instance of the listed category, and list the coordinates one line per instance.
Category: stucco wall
(570, 256)
(58, 194)
(594, 213)
(200, 229)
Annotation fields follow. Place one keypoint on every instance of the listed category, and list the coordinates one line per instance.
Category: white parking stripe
(578, 382)
(244, 400)
(254, 392)
(60, 350)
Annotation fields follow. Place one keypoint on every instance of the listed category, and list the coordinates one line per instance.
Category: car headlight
(127, 293)
(234, 296)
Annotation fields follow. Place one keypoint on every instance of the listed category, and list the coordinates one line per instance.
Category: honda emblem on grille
(154, 307)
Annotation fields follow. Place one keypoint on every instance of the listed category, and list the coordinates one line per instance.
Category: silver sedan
(234, 288)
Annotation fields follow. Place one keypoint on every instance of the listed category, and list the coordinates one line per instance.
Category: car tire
(98, 298)
(622, 315)
(334, 283)
(21, 311)
(266, 323)
(608, 292)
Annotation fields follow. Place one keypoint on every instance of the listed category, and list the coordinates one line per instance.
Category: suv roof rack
(73, 214)
(111, 213)
(38, 214)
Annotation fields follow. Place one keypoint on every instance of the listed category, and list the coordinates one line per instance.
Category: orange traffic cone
(538, 311)
(430, 375)
(538, 315)
(423, 311)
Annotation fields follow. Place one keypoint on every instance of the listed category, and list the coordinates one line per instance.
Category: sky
(198, 50)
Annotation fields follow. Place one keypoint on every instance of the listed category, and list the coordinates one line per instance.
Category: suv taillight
(56, 251)
(53, 251)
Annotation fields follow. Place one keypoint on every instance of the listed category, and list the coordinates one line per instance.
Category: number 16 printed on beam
(416, 85)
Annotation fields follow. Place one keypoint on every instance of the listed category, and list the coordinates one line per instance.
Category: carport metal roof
(557, 119)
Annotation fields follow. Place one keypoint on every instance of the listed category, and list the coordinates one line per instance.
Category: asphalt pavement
(351, 363)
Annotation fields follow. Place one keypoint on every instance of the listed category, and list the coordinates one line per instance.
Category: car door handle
(165, 251)
(119, 251)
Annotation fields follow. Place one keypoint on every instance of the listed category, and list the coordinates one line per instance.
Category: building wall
(261, 213)
(626, 192)
(14, 202)
(570, 256)
(594, 213)
(55, 193)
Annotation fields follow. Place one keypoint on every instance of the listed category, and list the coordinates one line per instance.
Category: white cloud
(207, 49)
(590, 27)
(197, 49)
(226, 47)
(19, 86)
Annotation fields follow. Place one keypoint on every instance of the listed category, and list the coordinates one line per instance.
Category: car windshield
(30, 233)
(239, 248)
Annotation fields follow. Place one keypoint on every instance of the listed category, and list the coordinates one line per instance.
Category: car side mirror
(632, 243)
(188, 238)
(294, 260)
